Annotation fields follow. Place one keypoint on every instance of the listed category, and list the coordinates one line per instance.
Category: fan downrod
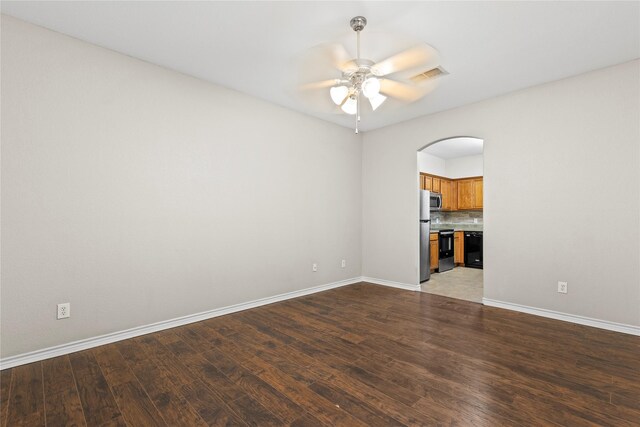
(358, 23)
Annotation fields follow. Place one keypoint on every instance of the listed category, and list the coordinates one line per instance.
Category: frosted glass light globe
(371, 87)
(338, 93)
(350, 106)
(377, 101)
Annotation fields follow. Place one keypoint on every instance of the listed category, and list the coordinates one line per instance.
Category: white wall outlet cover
(64, 310)
(563, 287)
(314, 267)
(344, 263)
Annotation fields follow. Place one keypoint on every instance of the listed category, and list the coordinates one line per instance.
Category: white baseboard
(399, 285)
(59, 350)
(581, 320)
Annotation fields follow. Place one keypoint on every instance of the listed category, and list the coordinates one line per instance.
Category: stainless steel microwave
(435, 201)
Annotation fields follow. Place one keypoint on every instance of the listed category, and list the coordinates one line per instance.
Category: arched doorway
(451, 172)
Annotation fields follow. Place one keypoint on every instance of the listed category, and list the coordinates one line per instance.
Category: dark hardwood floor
(361, 355)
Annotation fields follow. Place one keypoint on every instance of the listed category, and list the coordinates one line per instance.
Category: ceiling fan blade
(319, 85)
(323, 61)
(338, 55)
(410, 58)
(402, 91)
(317, 96)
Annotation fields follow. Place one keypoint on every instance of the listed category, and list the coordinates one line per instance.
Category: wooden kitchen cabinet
(428, 181)
(454, 195)
(457, 194)
(477, 193)
(465, 194)
(447, 195)
(435, 185)
(458, 247)
(470, 193)
(433, 251)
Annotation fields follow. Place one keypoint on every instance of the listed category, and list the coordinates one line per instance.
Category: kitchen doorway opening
(451, 217)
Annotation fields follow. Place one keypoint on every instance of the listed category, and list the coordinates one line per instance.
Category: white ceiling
(455, 147)
(489, 48)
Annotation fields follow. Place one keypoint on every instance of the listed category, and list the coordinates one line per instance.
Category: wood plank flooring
(361, 355)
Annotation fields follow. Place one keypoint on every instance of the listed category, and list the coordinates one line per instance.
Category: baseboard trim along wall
(581, 320)
(398, 285)
(59, 350)
(72, 347)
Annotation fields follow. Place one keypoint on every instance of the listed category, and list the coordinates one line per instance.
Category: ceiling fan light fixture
(362, 78)
(376, 101)
(371, 87)
(350, 106)
(338, 94)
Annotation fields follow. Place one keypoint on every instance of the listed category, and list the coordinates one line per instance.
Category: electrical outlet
(314, 267)
(563, 287)
(344, 263)
(64, 310)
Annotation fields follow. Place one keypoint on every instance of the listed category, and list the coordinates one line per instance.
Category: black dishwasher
(473, 249)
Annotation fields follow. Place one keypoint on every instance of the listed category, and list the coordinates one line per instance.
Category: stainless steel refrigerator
(425, 229)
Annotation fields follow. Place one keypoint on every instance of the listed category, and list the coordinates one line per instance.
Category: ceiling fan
(362, 78)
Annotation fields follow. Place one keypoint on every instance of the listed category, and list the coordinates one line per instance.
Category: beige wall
(139, 194)
(457, 167)
(561, 195)
(464, 167)
(428, 163)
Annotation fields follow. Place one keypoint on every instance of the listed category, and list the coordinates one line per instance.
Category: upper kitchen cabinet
(447, 194)
(454, 195)
(466, 199)
(457, 194)
(436, 185)
(477, 193)
(427, 182)
(469, 193)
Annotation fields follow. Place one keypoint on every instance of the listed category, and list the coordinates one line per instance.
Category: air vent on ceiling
(429, 74)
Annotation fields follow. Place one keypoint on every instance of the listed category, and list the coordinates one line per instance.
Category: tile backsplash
(457, 217)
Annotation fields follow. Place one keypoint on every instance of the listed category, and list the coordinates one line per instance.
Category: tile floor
(461, 283)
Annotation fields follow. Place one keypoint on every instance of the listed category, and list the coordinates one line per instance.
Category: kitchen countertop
(456, 227)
